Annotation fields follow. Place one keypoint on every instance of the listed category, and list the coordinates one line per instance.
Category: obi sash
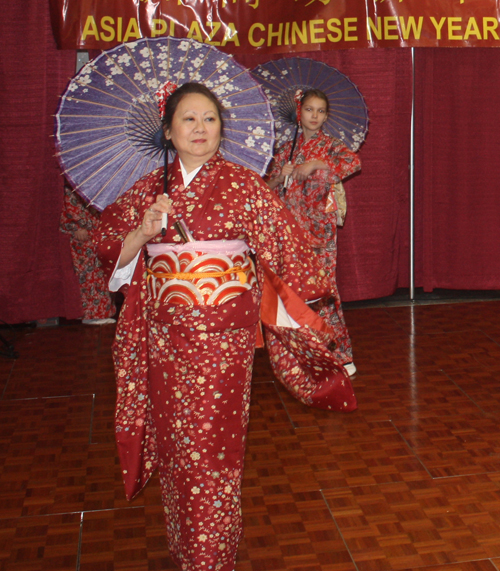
(199, 273)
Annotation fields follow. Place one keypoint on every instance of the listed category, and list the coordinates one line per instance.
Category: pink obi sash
(199, 273)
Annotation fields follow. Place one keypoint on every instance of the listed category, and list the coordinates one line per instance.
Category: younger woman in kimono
(319, 162)
(186, 336)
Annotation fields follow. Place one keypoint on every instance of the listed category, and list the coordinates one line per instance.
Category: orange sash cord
(199, 275)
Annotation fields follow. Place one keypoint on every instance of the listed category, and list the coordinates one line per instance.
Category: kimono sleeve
(341, 161)
(279, 159)
(118, 220)
(281, 243)
(133, 423)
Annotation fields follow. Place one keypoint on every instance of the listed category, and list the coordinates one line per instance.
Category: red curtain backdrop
(457, 169)
(37, 279)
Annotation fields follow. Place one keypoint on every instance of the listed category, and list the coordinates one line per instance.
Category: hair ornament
(298, 100)
(163, 93)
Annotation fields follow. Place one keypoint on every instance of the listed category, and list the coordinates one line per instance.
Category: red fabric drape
(373, 244)
(37, 279)
(457, 209)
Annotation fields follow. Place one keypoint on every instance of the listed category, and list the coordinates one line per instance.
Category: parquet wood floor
(409, 481)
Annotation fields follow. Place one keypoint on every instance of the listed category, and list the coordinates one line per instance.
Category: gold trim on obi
(193, 277)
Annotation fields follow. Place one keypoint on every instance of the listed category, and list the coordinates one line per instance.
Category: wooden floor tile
(41, 543)
(480, 384)
(353, 452)
(63, 361)
(48, 465)
(125, 539)
(286, 530)
(447, 318)
(6, 366)
(43, 455)
(103, 419)
(456, 444)
(443, 351)
(382, 324)
(484, 565)
(409, 525)
(409, 481)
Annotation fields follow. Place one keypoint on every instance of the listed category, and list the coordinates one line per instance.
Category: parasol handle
(164, 216)
(287, 178)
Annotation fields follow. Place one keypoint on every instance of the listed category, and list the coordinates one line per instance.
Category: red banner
(279, 26)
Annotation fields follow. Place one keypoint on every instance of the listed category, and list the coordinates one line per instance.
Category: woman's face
(312, 115)
(195, 130)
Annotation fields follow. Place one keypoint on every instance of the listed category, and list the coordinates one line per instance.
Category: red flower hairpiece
(298, 97)
(163, 93)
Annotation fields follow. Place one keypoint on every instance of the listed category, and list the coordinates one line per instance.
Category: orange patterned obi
(199, 273)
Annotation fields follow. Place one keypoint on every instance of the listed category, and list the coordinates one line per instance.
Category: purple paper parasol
(280, 79)
(108, 128)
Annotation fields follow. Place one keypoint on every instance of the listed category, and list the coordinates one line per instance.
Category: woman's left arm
(340, 160)
(305, 170)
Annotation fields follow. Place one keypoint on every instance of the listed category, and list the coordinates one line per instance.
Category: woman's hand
(151, 224)
(302, 172)
(280, 179)
(287, 170)
(81, 235)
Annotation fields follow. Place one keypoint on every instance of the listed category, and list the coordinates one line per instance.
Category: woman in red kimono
(187, 332)
(319, 162)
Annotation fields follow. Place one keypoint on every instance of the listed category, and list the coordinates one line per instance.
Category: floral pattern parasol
(283, 79)
(108, 129)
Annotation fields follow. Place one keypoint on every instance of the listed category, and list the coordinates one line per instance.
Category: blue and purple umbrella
(282, 78)
(108, 129)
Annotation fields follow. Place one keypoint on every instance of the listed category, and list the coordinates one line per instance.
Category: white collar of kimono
(187, 178)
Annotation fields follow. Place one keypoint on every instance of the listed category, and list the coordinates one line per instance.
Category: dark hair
(315, 93)
(179, 94)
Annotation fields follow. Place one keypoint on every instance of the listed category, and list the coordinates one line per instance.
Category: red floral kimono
(96, 299)
(312, 203)
(184, 371)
